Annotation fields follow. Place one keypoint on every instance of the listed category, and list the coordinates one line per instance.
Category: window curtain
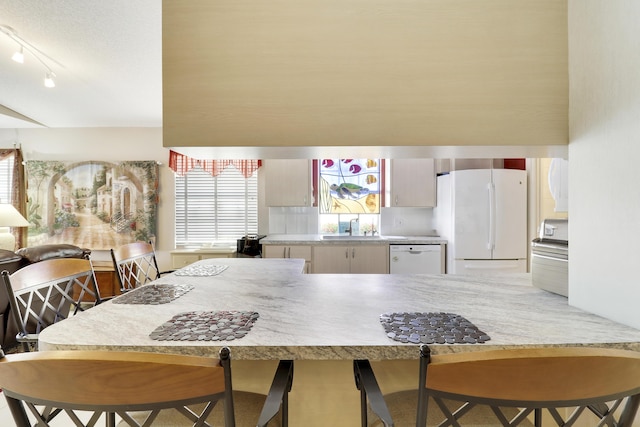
(18, 192)
(182, 164)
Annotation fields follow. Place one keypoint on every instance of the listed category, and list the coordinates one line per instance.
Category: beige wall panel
(364, 73)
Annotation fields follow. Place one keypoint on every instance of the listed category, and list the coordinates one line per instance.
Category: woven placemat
(153, 294)
(206, 326)
(201, 270)
(431, 328)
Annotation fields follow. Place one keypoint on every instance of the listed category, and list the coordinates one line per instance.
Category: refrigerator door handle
(492, 216)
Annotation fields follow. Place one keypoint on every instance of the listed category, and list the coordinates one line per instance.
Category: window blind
(215, 209)
(6, 179)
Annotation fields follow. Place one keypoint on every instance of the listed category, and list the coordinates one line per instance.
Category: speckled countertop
(320, 317)
(315, 239)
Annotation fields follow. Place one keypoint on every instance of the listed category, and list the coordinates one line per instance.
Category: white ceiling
(107, 57)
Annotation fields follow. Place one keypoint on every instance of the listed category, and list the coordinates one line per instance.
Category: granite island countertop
(315, 239)
(337, 317)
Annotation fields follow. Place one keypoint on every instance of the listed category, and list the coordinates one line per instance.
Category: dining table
(267, 310)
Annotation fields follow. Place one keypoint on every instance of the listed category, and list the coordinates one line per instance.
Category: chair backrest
(108, 383)
(46, 292)
(587, 380)
(135, 264)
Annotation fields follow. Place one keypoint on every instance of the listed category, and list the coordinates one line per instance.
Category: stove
(550, 257)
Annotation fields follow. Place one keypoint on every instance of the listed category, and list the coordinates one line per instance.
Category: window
(6, 179)
(350, 189)
(214, 209)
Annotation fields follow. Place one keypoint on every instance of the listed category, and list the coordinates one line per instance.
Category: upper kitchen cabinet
(288, 182)
(413, 183)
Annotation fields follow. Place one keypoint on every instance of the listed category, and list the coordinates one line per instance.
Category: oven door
(550, 267)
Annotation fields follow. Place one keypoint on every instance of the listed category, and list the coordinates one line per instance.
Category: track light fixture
(24, 45)
(19, 55)
(48, 80)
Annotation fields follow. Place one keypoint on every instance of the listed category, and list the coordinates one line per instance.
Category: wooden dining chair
(47, 292)
(136, 265)
(518, 387)
(132, 387)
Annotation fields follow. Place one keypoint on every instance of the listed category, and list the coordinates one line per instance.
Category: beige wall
(605, 145)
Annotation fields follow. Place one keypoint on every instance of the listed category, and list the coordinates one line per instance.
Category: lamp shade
(10, 217)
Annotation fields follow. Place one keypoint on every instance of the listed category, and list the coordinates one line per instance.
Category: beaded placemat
(153, 294)
(206, 326)
(201, 270)
(431, 328)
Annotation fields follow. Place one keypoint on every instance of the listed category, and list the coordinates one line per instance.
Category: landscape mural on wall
(92, 204)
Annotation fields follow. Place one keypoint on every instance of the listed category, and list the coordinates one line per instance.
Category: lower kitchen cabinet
(289, 251)
(356, 259)
(182, 258)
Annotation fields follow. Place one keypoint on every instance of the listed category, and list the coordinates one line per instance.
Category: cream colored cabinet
(413, 183)
(289, 251)
(182, 258)
(354, 259)
(288, 182)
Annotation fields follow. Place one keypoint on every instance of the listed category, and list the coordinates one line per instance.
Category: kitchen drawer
(550, 274)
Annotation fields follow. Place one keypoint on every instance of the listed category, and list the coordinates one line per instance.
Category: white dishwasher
(415, 259)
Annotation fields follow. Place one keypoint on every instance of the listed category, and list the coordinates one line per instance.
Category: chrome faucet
(350, 229)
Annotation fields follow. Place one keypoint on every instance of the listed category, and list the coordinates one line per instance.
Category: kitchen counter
(315, 239)
(337, 317)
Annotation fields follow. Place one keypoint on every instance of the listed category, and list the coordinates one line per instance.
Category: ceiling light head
(48, 80)
(19, 55)
(36, 53)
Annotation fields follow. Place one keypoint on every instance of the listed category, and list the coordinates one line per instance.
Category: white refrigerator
(483, 215)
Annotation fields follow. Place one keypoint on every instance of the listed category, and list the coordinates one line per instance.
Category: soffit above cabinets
(289, 74)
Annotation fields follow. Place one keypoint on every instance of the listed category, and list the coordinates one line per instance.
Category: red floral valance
(182, 164)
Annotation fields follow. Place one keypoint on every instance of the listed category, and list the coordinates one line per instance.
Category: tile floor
(5, 415)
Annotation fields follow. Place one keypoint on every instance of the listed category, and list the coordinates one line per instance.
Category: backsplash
(407, 222)
(393, 221)
(293, 220)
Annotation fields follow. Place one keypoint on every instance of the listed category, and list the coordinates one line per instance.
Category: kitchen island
(325, 321)
(320, 317)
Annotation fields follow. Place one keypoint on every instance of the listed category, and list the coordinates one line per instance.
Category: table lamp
(9, 217)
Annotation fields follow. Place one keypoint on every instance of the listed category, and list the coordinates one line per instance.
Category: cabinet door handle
(346, 253)
(353, 253)
(289, 256)
(284, 252)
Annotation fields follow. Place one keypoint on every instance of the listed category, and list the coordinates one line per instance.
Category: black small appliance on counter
(249, 246)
